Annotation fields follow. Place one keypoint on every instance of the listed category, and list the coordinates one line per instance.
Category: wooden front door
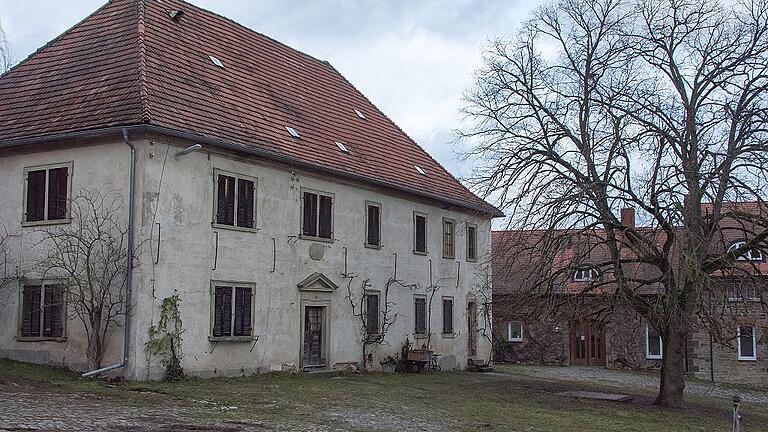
(472, 329)
(587, 343)
(314, 351)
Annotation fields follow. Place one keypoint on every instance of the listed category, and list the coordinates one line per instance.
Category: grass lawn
(447, 401)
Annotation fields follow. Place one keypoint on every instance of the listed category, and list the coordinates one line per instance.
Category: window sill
(233, 227)
(449, 335)
(472, 260)
(650, 357)
(40, 339)
(316, 239)
(747, 359)
(372, 246)
(47, 222)
(515, 340)
(231, 338)
(424, 253)
(420, 336)
(449, 257)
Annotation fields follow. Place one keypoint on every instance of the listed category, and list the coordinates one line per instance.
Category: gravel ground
(647, 380)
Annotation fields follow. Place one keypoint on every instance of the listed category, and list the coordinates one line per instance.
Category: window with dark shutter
(245, 203)
(372, 314)
(325, 225)
(449, 251)
(471, 243)
(242, 312)
(309, 224)
(317, 220)
(373, 225)
(30, 311)
(420, 233)
(53, 311)
(420, 315)
(447, 316)
(225, 201)
(222, 310)
(36, 196)
(57, 193)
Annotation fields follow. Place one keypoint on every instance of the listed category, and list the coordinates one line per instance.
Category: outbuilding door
(588, 343)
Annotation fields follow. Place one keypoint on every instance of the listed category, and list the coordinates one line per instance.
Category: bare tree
(658, 105)
(90, 253)
(7, 268)
(6, 52)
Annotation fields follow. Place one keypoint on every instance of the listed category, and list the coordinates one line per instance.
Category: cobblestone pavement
(634, 379)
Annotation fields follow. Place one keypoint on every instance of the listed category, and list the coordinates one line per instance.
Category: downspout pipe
(129, 276)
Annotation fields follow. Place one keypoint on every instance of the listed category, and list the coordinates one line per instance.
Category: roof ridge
(142, 70)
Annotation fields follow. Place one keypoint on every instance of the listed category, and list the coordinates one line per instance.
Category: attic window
(419, 170)
(342, 147)
(359, 114)
(293, 132)
(216, 61)
(176, 15)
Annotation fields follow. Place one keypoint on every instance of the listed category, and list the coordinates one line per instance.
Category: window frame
(648, 354)
(468, 242)
(25, 179)
(739, 292)
(452, 223)
(212, 297)
(43, 283)
(593, 271)
(367, 294)
(426, 233)
(416, 333)
(319, 193)
(509, 331)
(368, 204)
(741, 357)
(452, 333)
(215, 223)
(746, 256)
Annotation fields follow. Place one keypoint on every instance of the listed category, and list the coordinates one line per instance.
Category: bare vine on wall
(165, 338)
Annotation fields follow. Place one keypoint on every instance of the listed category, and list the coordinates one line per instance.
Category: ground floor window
(653, 343)
(42, 311)
(372, 313)
(447, 315)
(746, 343)
(232, 311)
(420, 315)
(515, 331)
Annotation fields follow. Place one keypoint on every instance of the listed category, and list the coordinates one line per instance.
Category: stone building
(578, 320)
(254, 181)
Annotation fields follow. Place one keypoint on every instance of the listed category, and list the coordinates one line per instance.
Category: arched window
(750, 255)
(586, 274)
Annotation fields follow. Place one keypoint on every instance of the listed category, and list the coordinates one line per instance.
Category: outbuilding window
(232, 311)
(749, 255)
(586, 274)
(235, 200)
(317, 220)
(46, 197)
(746, 343)
(653, 344)
(515, 331)
(42, 311)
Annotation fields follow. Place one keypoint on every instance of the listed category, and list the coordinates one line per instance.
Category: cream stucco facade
(182, 252)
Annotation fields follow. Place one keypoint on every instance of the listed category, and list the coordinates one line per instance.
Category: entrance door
(314, 351)
(472, 329)
(587, 343)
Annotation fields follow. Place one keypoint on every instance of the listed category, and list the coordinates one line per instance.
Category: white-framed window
(515, 331)
(47, 192)
(372, 224)
(750, 255)
(235, 203)
(449, 238)
(317, 214)
(231, 310)
(747, 342)
(586, 274)
(745, 290)
(471, 242)
(419, 233)
(654, 347)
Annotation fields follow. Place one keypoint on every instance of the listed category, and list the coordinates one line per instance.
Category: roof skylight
(341, 147)
(421, 171)
(293, 132)
(359, 114)
(216, 61)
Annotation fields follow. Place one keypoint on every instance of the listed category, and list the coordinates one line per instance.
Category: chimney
(628, 217)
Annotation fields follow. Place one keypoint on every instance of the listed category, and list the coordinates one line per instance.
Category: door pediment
(317, 282)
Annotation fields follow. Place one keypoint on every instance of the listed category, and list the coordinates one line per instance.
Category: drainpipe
(129, 276)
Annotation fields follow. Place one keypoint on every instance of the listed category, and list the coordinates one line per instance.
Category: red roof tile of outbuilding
(129, 63)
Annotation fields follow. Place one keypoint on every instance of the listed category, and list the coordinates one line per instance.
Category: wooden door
(314, 351)
(472, 329)
(587, 343)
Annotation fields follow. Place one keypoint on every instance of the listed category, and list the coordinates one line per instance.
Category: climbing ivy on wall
(165, 338)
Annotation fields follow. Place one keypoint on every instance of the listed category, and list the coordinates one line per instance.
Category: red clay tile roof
(129, 63)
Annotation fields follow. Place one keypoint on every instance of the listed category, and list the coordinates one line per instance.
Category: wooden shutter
(222, 311)
(448, 249)
(30, 316)
(57, 193)
(471, 243)
(325, 229)
(421, 315)
(225, 200)
(309, 224)
(374, 236)
(53, 311)
(244, 203)
(242, 311)
(421, 234)
(35, 196)
(447, 316)
(372, 314)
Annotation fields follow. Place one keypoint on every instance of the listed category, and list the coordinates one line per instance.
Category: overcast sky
(413, 59)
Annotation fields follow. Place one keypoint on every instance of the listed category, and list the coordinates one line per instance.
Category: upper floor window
(653, 343)
(317, 220)
(449, 238)
(471, 243)
(746, 343)
(747, 290)
(235, 200)
(232, 311)
(373, 224)
(750, 255)
(372, 313)
(42, 311)
(586, 274)
(515, 331)
(419, 233)
(47, 193)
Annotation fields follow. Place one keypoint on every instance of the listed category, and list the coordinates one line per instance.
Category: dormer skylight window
(216, 61)
(342, 147)
(586, 274)
(359, 114)
(293, 132)
(750, 255)
(419, 170)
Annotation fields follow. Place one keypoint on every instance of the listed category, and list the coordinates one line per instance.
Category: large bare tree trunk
(673, 364)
